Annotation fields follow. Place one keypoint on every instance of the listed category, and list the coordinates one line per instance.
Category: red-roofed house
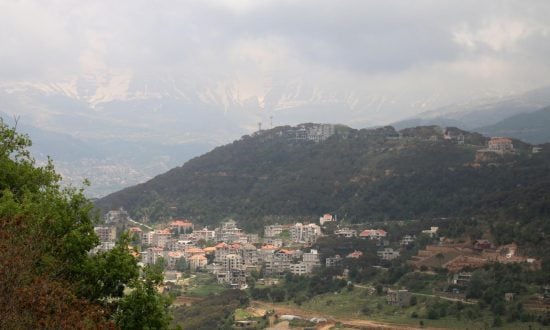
(373, 233)
(161, 237)
(197, 261)
(355, 254)
(500, 145)
(181, 225)
(136, 232)
(326, 218)
(172, 258)
(192, 251)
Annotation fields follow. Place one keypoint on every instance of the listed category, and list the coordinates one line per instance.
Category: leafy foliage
(361, 174)
(213, 312)
(49, 280)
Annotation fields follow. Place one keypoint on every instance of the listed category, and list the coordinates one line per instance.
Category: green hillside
(358, 174)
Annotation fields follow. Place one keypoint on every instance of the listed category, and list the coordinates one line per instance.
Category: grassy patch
(242, 314)
(358, 305)
(203, 285)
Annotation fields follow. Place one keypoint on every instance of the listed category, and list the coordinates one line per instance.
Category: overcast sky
(400, 50)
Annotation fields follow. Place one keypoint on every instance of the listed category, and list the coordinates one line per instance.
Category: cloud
(405, 55)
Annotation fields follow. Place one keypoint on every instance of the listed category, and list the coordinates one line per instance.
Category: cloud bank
(389, 59)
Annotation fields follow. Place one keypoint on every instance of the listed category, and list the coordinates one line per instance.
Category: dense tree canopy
(49, 279)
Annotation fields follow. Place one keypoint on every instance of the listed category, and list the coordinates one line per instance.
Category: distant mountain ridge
(533, 127)
(368, 174)
(482, 112)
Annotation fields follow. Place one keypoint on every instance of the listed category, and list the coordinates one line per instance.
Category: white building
(407, 239)
(205, 234)
(301, 233)
(346, 232)
(298, 269)
(311, 260)
(326, 218)
(116, 216)
(232, 261)
(500, 145)
(273, 230)
(388, 254)
(431, 232)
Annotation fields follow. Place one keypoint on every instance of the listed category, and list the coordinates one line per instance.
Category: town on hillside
(232, 255)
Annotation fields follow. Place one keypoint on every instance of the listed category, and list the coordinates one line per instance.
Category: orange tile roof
(355, 254)
(194, 250)
(181, 223)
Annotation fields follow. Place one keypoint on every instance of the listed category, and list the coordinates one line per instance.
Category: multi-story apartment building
(273, 230)
(301, 233)
(106, 234)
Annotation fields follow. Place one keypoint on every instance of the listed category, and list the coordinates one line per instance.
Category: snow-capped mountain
(482, 112)
(122, 110)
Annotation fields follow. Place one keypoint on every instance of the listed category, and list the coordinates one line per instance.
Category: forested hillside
(361, 175)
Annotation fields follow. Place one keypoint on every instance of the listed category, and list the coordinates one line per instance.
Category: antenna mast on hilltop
(259, 126)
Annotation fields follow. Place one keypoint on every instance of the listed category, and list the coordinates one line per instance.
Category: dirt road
(351, 323)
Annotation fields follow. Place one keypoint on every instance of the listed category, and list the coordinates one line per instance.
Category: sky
(387, 59)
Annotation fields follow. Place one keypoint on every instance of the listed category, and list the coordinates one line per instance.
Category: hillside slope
(530, 127)
(358, 174)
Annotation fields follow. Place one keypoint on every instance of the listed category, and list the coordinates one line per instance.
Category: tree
(48, 277)
(181, 265)
(144, 307)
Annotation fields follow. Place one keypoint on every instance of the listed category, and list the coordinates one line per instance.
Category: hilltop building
(500, 145)
(314, 132)
(453, 134)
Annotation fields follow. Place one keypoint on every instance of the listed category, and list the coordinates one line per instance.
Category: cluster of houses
(227, 251)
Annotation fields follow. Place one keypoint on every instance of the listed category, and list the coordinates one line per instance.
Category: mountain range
(117, 129)
(532, 127)
(480, 113)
